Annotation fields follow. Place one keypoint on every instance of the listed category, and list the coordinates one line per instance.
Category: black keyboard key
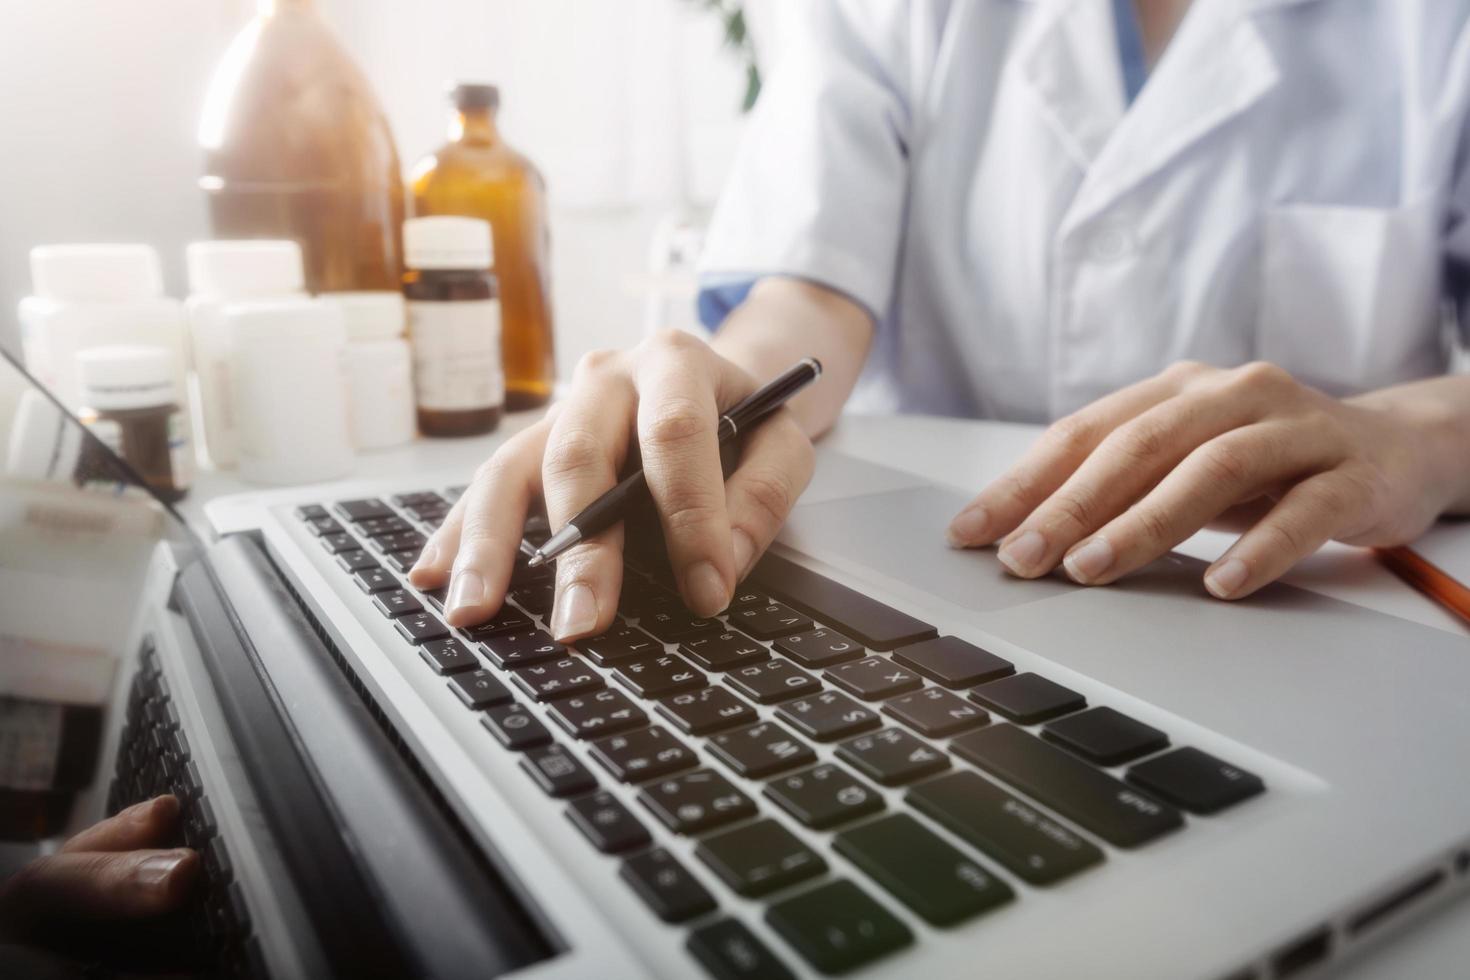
(1027, 842)
(508, 620)
(336, 544)
(554, 679)
(694, 802)
(950, 661)
(535, 597)
(819, 648)
(521, 649)
(647, 753)
(448, 656)
(771, 681)
(357, 561)
(1105, 736)
(437, 597)
(378, 527)
(723, 651)
(672, 623)
(935, 712)
(363, 510)
(401, 561)
(402, 541)
(399, 602)
(1113, 810)
(730, 951)
(311, 512)
(866, 620)
(515, 727)
(748, 597)
(828, 715)
(873, 678)
(558, 772)
(610, 826)
(709, 709)
(824, 796)
(597, 714)
(657, 677)
(761, 750)
(769, 621)
(416, 498)
(892, 757)
(759, 858)
(479, 689)
(1196, 781)
(922, 871)
(1028, 699)
(375, 579)
(666, 886)
(322, 526)
(622, 642)
(420, 627)
(837, 927)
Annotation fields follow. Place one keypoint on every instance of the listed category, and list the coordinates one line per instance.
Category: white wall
(628, 107)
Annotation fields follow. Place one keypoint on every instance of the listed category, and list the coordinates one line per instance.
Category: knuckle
(1261, 376)
(1074, 433)
(572, 451)
(673, 339)
(595, 362)
(1225, 462)
(674, 422)
(1154, 526)
(1283, 536)
(1074, 506)
(1182, 371)
(771, 491)
(1011, 492)
(689, 513)
(1142, 440)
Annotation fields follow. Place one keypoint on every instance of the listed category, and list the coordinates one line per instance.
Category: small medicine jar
(454, 325)
(130, 404)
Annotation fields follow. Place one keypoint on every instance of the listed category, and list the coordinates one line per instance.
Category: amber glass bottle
(479, 175)
(296, 146)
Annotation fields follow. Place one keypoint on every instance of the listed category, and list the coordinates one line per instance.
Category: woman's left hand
(1119, 483)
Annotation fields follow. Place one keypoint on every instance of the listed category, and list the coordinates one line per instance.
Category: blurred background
(631, 110)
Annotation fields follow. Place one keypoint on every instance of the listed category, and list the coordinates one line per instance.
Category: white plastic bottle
(379, 369)
(88, 296)
(221, 273)
(288, 390)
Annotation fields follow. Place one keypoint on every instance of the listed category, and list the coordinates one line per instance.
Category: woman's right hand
(667, 393)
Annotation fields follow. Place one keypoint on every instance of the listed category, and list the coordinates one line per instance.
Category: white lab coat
(1288, 186)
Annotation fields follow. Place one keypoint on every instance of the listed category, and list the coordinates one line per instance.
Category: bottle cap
(377, 315)
(474, 95)
(96, 273)
(126, 377)
(283, 321)
(244, 268)
(444, 242)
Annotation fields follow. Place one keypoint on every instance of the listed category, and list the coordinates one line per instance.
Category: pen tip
(537, 560)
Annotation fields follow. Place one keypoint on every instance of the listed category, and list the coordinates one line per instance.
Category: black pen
(608, 509)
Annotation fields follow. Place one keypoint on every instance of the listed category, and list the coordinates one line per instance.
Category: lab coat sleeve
(818, 187)
(1457, 243)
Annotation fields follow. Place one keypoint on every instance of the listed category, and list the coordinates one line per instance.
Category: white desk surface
(966, 454)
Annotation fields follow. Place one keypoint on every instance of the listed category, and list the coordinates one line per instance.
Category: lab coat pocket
(1350, 296)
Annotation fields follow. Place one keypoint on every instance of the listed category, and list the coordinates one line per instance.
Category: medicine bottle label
(456, 354)
(180, 453)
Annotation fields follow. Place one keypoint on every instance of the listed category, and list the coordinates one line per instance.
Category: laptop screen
(77, 530)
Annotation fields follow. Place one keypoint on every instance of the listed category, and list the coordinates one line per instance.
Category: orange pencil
(1428, 578)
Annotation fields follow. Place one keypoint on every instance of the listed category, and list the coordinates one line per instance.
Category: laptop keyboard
(1020, 769)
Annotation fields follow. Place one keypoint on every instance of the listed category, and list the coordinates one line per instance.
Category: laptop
(885, 759)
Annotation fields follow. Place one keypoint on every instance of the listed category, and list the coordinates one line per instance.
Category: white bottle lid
(448, 242)
(244, 268)
(114, 378)
(284, 321)
(96, 273)
(376, 315)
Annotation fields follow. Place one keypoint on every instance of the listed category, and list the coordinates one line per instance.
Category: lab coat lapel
(1215, 68)
(1069, 64)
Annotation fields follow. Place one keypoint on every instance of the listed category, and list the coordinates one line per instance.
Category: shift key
(1108, 807)
(1026, 841)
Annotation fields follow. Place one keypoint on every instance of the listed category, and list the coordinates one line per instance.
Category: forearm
(783, 320)
(1438, 409)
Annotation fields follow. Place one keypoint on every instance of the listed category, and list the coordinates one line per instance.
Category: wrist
(1431, 420)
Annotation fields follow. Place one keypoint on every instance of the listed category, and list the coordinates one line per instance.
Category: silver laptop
(886, 759)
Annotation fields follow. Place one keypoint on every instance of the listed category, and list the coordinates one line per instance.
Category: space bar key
(870, 622)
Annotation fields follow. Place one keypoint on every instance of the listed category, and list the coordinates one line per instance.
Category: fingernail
(467, 589)
(575, 612)
(154, 869)
(1023, 553)
(705, 589)
(744, 549)
(968, 528)
(1089, 561)
(1226, 578)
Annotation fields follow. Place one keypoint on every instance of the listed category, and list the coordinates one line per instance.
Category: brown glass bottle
(296, 146)
(454, 326)
(479, 175)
